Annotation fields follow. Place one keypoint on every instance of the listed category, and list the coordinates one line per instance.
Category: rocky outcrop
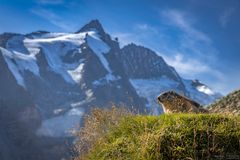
(229, 104)
(141, 62)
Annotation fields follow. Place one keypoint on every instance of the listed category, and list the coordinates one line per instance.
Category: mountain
(16, 110)
(229, 104)
(19, 122)
(66, 73)
(151, 75)
(53, 79)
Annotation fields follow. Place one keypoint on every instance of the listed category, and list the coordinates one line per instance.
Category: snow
(53, 51)
(55, 45)
(76, 74)
(80, 103)
(57, 111)
(76, 39)
(202, 94)
(63, 125)
(151, 88)
(19, 62)
(99, 48)
(205, 90)
(89, 93)
(50, 35)
(106, 79)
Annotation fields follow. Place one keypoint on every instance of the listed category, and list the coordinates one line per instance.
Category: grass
(96, 126)
(169, 136)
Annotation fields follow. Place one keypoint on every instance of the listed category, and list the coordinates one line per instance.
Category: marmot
(173, 102)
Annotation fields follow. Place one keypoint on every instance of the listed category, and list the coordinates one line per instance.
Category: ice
(54, 48)
(63, 125)
(106, 79)
(202, 94)
(205, 90)
(55, 45)
(99, 48)
(151, 88)
(19, 62)
(76, 74)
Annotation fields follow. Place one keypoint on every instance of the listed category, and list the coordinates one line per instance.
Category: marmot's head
(165, 99)
(173, 102)
(167, 96)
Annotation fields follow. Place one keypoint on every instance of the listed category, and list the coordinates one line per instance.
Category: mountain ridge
(66, 74)
(229, 104)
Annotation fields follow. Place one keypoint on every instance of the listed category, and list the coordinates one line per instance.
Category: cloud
(50, 2)
(191, 40)
(194, 54)
(181, 20)
(52, 18)
(190, 67)
(226, 16)
(182, 45)
(146, 28)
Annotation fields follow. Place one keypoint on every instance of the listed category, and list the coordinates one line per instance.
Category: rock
(229, 104)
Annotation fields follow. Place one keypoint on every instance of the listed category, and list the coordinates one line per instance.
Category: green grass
(173, 136)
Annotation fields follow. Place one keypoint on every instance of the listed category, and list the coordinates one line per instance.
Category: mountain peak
(93, 25)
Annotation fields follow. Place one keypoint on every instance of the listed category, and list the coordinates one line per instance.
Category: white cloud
(52, 18)
(191, 41)
(226, 16)
(185, 66)
(190, 67)
(192, 53)
(181, 20)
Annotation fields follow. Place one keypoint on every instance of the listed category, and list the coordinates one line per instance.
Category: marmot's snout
(160, 99)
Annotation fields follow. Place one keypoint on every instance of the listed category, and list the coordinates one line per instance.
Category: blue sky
(201, 39)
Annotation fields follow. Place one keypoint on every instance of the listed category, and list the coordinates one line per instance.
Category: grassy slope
(175, 136)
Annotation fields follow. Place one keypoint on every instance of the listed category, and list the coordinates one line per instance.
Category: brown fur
(176, 103)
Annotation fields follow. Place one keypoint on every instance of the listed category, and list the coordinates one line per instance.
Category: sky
(200, 38)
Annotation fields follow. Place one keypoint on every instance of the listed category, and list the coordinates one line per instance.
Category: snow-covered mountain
(66, 72)
(63, 75)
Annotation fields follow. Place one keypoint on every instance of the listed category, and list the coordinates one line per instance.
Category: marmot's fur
(173, 102)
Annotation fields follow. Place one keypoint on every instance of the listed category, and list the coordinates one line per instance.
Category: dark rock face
(18, 116)
(173, 102)
(5, 37)
(19, 121)
(118, 91)
(141, 62)
(93, 25)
